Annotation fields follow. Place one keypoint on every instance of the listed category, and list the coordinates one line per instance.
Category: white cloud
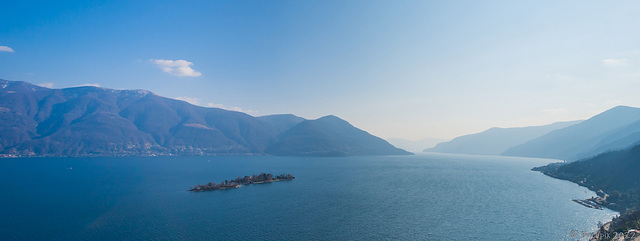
(46, 85)
(179, 67)
(221, 106)
(197, 101)
(191, 100)
(615, 62)
(88, 84)
(6, 49)
(238, 109)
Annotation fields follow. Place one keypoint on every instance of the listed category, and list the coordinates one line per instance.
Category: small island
(238, 182)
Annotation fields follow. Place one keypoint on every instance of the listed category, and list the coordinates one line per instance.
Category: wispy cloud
(181, 68)
(6, 49)
(238, 109)
(197, 101)
(214, 105)
(615, 62)
(88, 84)
(191, 100)
(46, 85)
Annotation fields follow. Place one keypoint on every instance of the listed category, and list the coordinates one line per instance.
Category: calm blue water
(422, 197)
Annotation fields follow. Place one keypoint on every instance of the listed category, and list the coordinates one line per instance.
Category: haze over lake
(110, 111)
(422, 197)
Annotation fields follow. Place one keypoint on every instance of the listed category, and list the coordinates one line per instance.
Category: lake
(421, 197)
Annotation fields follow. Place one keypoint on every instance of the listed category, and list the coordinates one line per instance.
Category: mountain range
(613, 175)
(98, 121)
(496, 140)
(414, 146)
(615, 129)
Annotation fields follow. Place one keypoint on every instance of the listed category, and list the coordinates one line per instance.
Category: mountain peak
(620, 108)
(330, 136)
(89, 88)
(90, 120)
(623, 107)
(330, 117)
(333, 120)
(4, 84)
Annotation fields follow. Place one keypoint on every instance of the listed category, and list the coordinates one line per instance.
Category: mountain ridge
(610, 130)
(495, 140)
(415, 145)
(330, 136)
(38, 121)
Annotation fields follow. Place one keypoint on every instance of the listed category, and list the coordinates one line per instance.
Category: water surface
(422, 197)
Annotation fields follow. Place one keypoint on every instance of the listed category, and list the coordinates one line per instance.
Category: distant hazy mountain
(414, 146)
(613, 129)
(99, 121)
(496, 140)
(330, 136)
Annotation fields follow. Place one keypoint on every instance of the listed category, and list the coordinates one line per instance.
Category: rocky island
(238, 182)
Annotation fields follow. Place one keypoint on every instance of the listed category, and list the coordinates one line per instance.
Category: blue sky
(409, 69)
